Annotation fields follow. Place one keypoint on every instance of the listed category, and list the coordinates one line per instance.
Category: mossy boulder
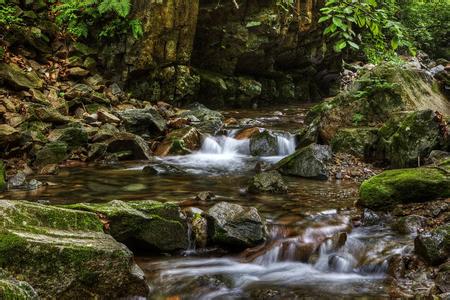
(146, 121)
(434, 246)
(403, 142)
(51, 153)
(2, 176)
(19, 78)
(359, 142)
(267, 182)
(11, 289)
(310, 162)
(264, 144)
(64, 253)
(143, 224)
(405, 186)
(73, 136)
(179, 142)
(235, 226)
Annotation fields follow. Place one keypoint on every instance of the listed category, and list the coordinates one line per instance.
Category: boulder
(127, 146)
(146, 121)
(309, 162)
(74, 137)
(142, 224)
(434, 246)
(263, 144)
(247, 133)
(19, 78)
(409, 224)
(51, 153)
(271, 182)
(403, 142)
(404, 186)
(11, 289)
(179, 142)
(64, 254)
(203, 118)
(233, 225)
(359, 142)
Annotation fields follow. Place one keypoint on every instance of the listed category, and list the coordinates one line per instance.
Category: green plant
(8, 15)
(107, 18)
(357, 118)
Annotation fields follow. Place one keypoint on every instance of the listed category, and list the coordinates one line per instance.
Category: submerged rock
(11, 289)
(143, 224)
(310, 162)
(434, 246)
(271, 182)
(404, 186)
(163, 169)
(64, 253)
(233, 225)
(180, 142)
(263, 144)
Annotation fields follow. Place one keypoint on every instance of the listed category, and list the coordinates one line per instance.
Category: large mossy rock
(19, 78)
(51, 153)
(374, 98)
(405, 186)
(143, 224)
(264, 144)
(267, 182)
(235, 226)
(309, 162)
(434, 246)
(360, 142)
(11, 289)
(73, 136)
(402, 142)
(64, 253)
(146, 121)
(179, 142)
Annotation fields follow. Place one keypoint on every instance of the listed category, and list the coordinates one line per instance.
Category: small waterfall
(224, 145)
(286, 144)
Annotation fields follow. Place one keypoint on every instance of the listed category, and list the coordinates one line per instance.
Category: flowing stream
(314, 249)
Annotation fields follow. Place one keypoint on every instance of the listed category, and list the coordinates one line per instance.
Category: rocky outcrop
(405, 186)
(235, 226)
(142, 224)
(309, 162)
(64, 253)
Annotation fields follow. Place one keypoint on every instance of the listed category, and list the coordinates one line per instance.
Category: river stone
(19, 78)
(404, 186)
(233, 225)
(180, 142)
(146, 121)
(247, 133)
(263, 144)
(64, 253)
(11, 289)
(128, 146)
(434, 246)
(51, 153)
(203, 118)
(143, 224)
(271, 182)
(74, 137)
(408, 224)
(415, 136)
(163, 169)
(310, 162)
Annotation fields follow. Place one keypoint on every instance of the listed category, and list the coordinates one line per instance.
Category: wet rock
(203, 118)
(77, 72)
(142, 224)
(263, 144)
(106, 117)
(404, 186)
(205, 196)
(199, 226)
(247, 133)
(8, 135)
(97, 151)
(13, 289)
(271, 182)
(48, 114)
(19, 78)
(442, 279)
(146, 121)
(80, 91)
(403, 142)
(369, 218)
(61, 252)
(74, 137)
(163, 169)
(128, 146)
(180, 142)
(434, 246)
(233, 225)
(310, 162)
(356, 141)
(409, 224)
(51, 153)
(51, 169)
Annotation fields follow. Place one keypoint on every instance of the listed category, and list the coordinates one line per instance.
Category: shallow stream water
(306, 255)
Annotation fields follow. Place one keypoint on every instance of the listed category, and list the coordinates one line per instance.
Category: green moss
(404, 186)
(2, 176)
(357, 141)
(16, 290)
(52, 153)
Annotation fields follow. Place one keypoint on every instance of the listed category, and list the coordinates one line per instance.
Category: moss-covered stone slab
(235, 226)
(64, 253)
(143, 224)
(405, 186)
(11, 289)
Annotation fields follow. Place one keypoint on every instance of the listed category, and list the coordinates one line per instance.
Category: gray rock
(271, 182)
(263, 144)
(128, 146)
(143, 121)
(434, 246)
